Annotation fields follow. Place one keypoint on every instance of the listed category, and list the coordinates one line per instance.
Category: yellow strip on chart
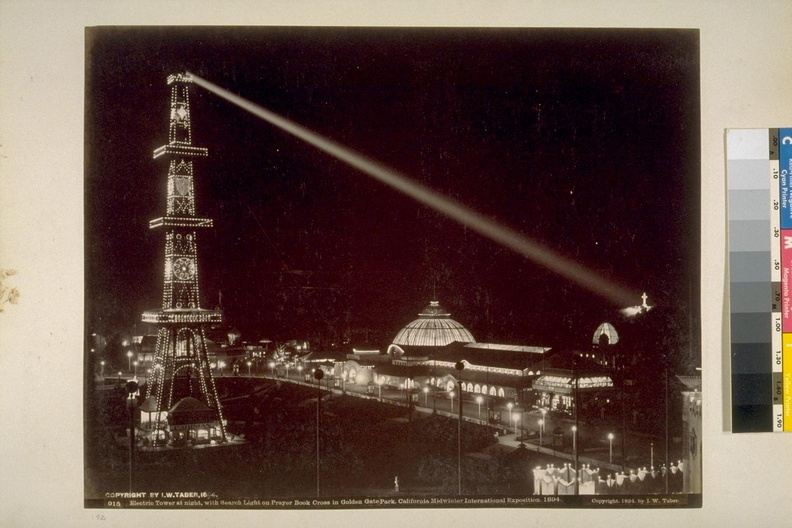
(787, 373)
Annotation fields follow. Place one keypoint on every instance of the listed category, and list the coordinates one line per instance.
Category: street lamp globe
(610, 447)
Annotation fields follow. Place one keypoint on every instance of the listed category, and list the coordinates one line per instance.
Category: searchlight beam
(453, 209)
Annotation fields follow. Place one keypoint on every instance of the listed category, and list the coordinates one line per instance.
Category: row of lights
(163, 317)
(180, 149)
(180, 221)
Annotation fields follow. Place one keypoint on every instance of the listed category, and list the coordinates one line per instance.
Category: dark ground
(364, 446)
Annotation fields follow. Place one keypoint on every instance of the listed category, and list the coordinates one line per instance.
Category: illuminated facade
(182, 408)
(569, 376)
(424, 355)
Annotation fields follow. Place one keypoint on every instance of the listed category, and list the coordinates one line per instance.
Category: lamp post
(651, 455)
(479, 399)
(129, 360)
(272, 369)
(610, 450)
(135, 363)
(248, 364)
(408, 396)
(460, 366)
(101, 372)
(426, 396)
(299, 371)
(509, 406)
(451, 394)
(541, 431)
(575, 453)
(132, 388)
(318, 375)
(518, 417)
(222, 365)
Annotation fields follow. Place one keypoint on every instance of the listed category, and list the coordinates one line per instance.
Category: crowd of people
(563, 480)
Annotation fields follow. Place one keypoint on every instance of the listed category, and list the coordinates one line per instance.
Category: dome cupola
(434, 327)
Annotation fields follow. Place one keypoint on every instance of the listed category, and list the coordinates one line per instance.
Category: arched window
(493, 392)
(501, 393)
(484, 389)
(477, 389)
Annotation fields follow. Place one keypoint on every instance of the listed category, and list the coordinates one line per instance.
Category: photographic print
(351, 267)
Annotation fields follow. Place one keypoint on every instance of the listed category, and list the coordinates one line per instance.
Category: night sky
(586, 141)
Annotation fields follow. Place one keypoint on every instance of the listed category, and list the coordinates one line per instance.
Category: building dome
(434, 327)
(605, 334)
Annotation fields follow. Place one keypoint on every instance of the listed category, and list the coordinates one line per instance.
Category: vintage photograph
(358, 267)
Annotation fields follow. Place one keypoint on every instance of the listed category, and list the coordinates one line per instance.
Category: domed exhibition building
(425, 357)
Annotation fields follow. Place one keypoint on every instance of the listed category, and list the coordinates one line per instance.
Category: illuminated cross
(644, 297)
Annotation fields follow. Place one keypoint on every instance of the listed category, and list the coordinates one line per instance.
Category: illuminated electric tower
(181, 399)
